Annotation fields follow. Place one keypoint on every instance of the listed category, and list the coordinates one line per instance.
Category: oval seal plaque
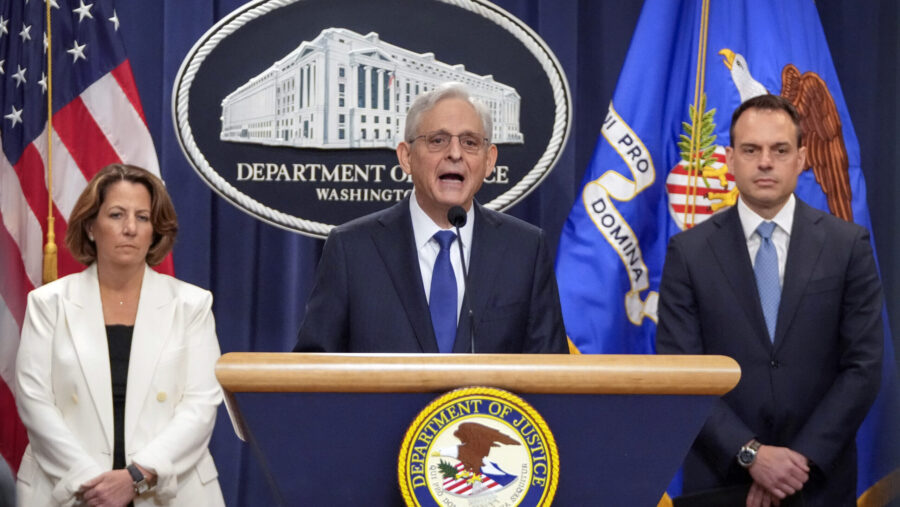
(478, 446)
(291, 109)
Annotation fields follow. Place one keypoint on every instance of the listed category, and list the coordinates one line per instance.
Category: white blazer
(64, 391)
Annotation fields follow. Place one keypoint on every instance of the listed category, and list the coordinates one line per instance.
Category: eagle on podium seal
(478, 446)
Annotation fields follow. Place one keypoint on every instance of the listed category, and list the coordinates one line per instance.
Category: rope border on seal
(457, 394)
(228, 25)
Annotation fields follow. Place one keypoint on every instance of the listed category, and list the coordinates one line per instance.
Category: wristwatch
(747, 455)
(141, 485)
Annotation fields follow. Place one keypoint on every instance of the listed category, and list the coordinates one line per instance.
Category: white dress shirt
(781, 235)
(428, 248)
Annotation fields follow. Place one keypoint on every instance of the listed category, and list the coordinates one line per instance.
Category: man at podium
(792, 294)
(395, 280)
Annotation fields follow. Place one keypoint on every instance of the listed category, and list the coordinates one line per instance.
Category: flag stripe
(8, 348)
(29, 170)
(699, 209)
(19, 223)
(83, 138)
(125, 78)
(68, 180)
(14, 282)
(122, 125)
(13, 437)
(697, 191)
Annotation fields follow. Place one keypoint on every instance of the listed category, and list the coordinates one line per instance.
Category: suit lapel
(806, 243)
(156, 311)
(729, 246)
(486, 243)
(84, 316)
(397, 248)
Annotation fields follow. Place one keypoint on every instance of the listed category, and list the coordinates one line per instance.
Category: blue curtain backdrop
(261, 275)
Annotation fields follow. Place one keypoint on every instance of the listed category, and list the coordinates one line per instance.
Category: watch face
(746, 456)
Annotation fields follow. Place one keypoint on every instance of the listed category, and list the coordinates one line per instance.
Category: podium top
(523, 373)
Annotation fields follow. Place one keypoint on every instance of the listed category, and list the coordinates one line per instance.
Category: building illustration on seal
(346, 90)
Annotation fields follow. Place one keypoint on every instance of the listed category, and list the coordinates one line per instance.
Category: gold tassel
(50, 271)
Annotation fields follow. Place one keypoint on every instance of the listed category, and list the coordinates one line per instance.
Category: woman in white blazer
(115, 374)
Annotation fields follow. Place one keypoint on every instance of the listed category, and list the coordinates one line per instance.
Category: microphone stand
(466, 303)
(457, 217)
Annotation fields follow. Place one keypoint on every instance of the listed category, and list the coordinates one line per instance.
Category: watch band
(140, 482)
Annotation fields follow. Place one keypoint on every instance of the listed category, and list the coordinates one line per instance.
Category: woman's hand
(114, 488)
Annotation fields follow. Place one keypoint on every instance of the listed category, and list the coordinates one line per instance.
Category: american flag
(97, 120)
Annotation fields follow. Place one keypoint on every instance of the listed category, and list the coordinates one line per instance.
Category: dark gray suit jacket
(368, 295)
(812, 388)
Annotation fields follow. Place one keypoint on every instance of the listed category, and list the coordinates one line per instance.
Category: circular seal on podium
(478, 446)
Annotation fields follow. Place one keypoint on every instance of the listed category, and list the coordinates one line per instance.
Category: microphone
(457, 218)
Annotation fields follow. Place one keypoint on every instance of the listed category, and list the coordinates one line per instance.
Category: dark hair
(767, 102)
(162, 213)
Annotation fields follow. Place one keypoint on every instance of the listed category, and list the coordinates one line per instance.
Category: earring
(91, 237)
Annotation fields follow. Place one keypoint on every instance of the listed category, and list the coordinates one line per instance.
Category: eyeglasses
(439, 141)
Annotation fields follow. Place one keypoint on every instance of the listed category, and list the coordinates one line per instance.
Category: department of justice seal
(478, 446)
(291, 110)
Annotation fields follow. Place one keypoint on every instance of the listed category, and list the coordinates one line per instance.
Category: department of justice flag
(658, 168)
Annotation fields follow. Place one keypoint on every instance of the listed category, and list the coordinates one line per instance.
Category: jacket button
(161, 396)
(774, 364)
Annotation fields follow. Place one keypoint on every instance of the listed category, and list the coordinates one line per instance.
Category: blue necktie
(442, 300)
(766, 271)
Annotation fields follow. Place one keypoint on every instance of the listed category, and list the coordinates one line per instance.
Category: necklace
(120, 298)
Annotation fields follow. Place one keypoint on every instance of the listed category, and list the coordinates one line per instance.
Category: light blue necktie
(442, 301)
(766, 270)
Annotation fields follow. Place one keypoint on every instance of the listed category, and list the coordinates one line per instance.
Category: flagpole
(699, 82)
(50, 250)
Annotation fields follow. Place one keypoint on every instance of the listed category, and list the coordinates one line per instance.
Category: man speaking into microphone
(395, 280)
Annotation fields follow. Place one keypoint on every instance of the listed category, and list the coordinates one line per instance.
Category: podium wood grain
(534, 373)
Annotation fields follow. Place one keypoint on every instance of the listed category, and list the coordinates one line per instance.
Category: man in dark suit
(793, 295)
(393, 281)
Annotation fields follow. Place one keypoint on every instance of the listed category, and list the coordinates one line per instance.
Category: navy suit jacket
(368, 295)
(812, 387)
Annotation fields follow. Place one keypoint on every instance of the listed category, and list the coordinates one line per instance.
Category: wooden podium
(326, 429)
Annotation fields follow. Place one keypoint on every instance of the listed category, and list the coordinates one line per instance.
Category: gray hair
(451, 90)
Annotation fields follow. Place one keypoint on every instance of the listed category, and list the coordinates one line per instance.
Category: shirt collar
(784, 219)
(424, 227)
